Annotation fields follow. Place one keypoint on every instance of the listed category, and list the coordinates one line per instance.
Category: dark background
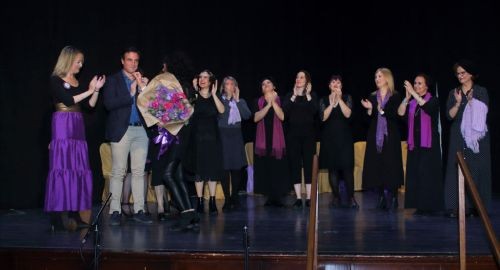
(245, 39)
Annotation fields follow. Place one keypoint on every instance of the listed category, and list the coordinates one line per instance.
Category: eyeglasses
(461, 73)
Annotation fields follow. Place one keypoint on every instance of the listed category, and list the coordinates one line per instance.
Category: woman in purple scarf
(383, 165)
(467, 108)
(233, 148)
(270, 163)
(424, 185)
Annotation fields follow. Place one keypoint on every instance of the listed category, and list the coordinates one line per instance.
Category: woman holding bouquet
(270, 163)
(205, 149)
(235, 110)
(69, 181)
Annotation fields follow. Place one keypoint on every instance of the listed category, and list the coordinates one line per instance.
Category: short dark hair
(335, 77)
(129, 50)
(427, 78)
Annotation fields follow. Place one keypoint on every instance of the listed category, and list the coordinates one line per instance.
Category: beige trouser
(135, 141)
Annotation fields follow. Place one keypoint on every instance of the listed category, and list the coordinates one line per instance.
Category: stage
(367, 238)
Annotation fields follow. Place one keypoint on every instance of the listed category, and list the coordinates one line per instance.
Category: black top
(63, 92)
(301, 114)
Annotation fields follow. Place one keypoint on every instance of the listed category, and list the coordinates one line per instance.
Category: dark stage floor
(272, 230)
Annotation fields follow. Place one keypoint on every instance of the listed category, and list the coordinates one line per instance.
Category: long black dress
(271, 175)
(386, 167)
(479, 164)
(424, 184)
(204, 152)
(337, 149)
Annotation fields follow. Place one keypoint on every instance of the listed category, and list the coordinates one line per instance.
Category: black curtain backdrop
(245, 39)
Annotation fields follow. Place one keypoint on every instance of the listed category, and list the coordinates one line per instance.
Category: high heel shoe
(212, 207)
(297, 204)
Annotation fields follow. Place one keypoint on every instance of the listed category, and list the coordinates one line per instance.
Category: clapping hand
(96, 83)
(409, 89)
(308, 88)
(458, 96)
(214, 88)
(195, 84)
(236, 95)
(366, 104)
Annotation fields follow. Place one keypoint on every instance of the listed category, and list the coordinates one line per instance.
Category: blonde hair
(65, 61)
(388, 77)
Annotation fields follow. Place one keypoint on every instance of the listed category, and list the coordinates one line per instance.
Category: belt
(60, 107)
(136, 124)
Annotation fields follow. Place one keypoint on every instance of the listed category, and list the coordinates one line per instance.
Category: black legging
(174, 180)
(300, 151)
(233, 177)
(347, 175)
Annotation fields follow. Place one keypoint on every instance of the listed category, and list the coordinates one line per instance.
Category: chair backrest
(105, 153)
(249, 152)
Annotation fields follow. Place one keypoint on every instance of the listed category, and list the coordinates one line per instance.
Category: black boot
(201, 205)
(212, 207)
(394, 203)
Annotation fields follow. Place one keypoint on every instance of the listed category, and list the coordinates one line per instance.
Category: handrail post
(312, 230)
(478, 203)
(461, 221)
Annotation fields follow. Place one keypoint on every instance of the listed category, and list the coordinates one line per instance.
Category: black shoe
(185, 222)
(472, 212)
(212, 207)
(308, 203)
(80, 224)
(162, 217)
(115, 219)
(200, 208)
(142, 218)
(297, 204)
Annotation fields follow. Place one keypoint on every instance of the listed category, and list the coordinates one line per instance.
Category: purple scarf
(165, 139)
(473, 126)
(425, 125)
(234, 113)
(278, 149)
(381, 122)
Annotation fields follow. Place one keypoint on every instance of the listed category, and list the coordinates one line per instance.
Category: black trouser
(300, 151)
(347, 176)
(232, 177)
(174, 180)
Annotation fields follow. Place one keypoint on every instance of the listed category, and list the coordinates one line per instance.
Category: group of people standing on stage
(210, 147)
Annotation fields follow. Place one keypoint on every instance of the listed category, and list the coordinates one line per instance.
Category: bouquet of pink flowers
(169, 105)
(164, 103)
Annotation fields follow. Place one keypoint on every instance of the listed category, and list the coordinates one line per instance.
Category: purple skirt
(69, 182)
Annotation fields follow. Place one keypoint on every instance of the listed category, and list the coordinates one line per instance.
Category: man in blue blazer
(126, 130)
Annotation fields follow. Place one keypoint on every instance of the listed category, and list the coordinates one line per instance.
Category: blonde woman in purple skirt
(69, 181)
